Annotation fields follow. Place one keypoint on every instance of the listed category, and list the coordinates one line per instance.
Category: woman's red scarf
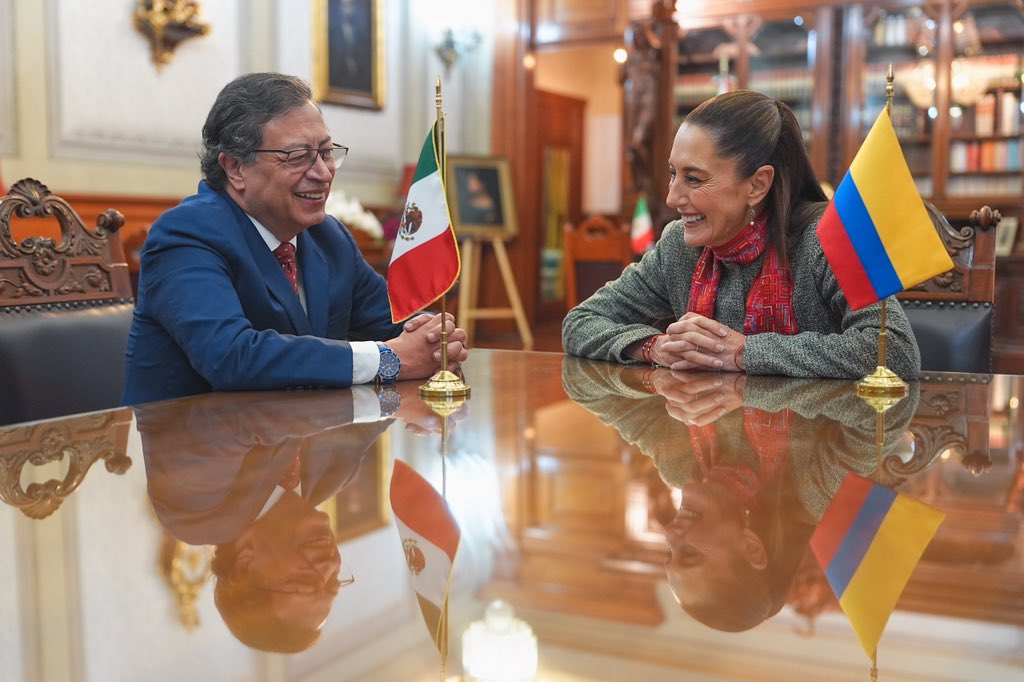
(770, 301)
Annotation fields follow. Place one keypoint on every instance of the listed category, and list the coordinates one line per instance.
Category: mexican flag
(430, 539)
(425, 261)
(642, 232)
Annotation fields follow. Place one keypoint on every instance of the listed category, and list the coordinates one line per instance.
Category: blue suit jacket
(215, 311)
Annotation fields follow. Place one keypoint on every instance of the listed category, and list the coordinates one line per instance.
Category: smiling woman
(739, 282)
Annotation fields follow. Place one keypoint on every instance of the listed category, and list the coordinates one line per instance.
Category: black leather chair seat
(952, 336)
(61, 361)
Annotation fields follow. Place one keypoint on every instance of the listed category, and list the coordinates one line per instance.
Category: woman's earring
(751, 215)
(746, 518)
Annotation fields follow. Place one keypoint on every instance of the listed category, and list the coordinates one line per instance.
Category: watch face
(390, 365)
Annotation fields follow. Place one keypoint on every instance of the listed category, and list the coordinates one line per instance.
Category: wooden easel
(470, 286)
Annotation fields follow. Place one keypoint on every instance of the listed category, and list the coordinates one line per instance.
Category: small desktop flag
(430, 539)
(876, 232)
(868, 543)
(642, 232)
(425, 261)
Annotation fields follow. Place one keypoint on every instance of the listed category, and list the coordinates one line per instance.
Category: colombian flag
(425, 261)
(868, 543)
(876, 232)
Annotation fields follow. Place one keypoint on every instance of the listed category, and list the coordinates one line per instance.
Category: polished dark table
(563, 475)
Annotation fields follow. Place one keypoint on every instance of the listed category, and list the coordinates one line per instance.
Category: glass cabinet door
(905, 38)
(705, 67)
(782, 66)
(985, 112)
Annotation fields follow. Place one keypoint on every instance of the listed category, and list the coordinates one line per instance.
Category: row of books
(984, 156)
(784, 84)
(984, 185)
(893, 30)
(998, 115)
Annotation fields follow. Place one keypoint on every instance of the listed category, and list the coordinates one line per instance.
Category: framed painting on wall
(348, 52)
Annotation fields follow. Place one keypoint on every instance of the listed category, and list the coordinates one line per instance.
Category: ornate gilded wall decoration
(167, 23)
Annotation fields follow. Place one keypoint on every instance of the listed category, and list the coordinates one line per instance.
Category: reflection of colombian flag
(868, 543)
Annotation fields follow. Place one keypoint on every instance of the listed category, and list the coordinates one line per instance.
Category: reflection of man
(350, 45)
(755, 460)
(249, 284)
(478, 196)
(244, 472)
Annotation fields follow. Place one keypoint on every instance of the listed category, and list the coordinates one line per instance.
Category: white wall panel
(14, 641)
(8, 117)
(107, 100)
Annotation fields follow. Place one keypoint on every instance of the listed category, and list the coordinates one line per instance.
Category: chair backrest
(595, 252)
(952, 314)
(65, 310)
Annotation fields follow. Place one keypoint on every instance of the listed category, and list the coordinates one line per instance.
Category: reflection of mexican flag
(425, 261)
(430, 538)
(642, 232)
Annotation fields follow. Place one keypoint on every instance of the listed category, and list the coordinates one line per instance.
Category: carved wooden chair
(65, 310)
(595, 252)
(952, 314)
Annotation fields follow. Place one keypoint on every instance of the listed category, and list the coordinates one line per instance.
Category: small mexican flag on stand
(425, 262)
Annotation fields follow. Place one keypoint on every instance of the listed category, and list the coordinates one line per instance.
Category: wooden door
(558, 179)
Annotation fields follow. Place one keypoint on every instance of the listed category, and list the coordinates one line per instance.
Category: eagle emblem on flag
(412, 218)
(414, 556)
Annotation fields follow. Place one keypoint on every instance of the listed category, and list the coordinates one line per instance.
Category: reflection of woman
(740, 279)
(478, 203)
(244, 472)
(753, 480)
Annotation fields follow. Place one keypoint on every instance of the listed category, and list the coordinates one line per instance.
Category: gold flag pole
(444, 384)
(883, 382)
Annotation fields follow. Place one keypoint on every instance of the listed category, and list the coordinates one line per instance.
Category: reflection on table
(642, 522)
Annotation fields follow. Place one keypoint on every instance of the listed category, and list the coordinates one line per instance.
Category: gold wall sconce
(455, 44)
(168, 23)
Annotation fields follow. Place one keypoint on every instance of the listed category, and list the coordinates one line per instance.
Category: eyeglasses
(304, 158)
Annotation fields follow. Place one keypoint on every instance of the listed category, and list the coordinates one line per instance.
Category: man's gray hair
(235, 123)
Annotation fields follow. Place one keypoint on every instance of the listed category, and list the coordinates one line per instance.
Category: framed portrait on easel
(348, 52)
(480, 197)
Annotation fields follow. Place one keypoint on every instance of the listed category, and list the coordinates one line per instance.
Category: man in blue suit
(249, 285)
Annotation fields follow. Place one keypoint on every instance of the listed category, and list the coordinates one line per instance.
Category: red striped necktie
(285, 254)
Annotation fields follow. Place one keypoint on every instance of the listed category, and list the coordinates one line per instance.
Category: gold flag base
(882, 383)
(444, 385)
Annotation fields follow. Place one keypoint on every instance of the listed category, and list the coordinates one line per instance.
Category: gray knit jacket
(833, 341)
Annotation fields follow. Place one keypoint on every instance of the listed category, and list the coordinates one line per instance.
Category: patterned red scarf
(770, 301)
